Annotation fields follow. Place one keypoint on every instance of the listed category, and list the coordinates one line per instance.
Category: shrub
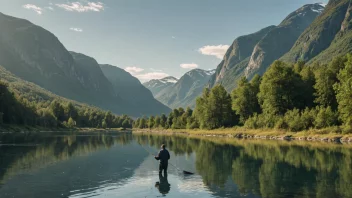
(308, 118)
(293, 120)
(326, 117)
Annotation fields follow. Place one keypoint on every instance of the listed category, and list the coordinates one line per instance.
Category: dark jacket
(163, 156)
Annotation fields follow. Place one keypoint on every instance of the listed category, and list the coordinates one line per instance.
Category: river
(77, 165)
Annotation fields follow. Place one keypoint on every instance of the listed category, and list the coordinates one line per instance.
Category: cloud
(151, 75)
(79, 7)
(49, 8)
(76, 29)
(189, 65)
(133, 70)
(35, 8)
(155, 70)
(214, 50)
(173, 37)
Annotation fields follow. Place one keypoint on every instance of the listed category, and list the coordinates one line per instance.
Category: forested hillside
(36, 55)
(26, 104)
(291, 97)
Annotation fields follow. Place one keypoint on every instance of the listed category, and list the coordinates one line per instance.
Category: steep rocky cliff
(280, 40)
(330, 32)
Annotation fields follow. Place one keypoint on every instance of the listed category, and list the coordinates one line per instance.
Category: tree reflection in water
(263, 168)
(267, 168)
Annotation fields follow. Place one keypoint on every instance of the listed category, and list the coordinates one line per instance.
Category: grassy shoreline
(322, 135)
(16, 128)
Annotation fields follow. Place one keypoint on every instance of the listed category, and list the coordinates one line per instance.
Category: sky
(152, 38)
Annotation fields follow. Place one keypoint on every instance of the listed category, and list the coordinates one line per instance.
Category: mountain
(157, 85)
(252, 54)
(236, 59)
(186, 90)
(130, 89)
(36, 55)
(328, 36)
(32, 92)
(280, 40)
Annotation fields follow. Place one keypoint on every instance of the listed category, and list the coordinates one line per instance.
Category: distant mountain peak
(169, 79)
(200, 72)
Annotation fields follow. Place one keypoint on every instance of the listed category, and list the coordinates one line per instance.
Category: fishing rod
(184, 172)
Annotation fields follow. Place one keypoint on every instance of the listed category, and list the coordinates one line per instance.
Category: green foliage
(214, 108)
(163, 120)
(285, 98)
(151, 122)
(344, 92)
(325, 80)
(307, 92)
(280, 89)
(71, 123)
(16, 109)
(244, 98)
(157, 122)
(143, 123)
(326, 117)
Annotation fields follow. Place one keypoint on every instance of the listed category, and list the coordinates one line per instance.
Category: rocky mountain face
(130, 89)
(280, 40)
(236, 56)
(186, 90)
(328, 36)
(36, 55)
(158, 85)
(90, 69)
(258, 50)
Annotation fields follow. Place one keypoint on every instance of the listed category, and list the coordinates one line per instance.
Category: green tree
(109, 119)
(58, 110)
(157, 122)
(326, 77)
(143, 123)
(71, 111)
(151, 122)
(104, 124)
(163, 121)
(169, 120)
(326, 117)
(202, 110)
(71, 123)
(343, 90)
(308, 91)
(126, 124)
(219, 104)
(244, 98)
(280, 89)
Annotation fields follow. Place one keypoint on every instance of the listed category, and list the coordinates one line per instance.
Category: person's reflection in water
(163, 185)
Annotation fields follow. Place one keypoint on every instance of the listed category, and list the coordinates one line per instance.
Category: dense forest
(293, 97)
(16, 109)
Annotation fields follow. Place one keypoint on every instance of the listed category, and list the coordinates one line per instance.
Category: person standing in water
(163, 156)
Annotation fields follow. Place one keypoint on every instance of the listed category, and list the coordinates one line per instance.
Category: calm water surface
(50, 165)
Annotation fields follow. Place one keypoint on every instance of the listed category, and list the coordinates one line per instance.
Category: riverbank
(322, 135)
(16, 129)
